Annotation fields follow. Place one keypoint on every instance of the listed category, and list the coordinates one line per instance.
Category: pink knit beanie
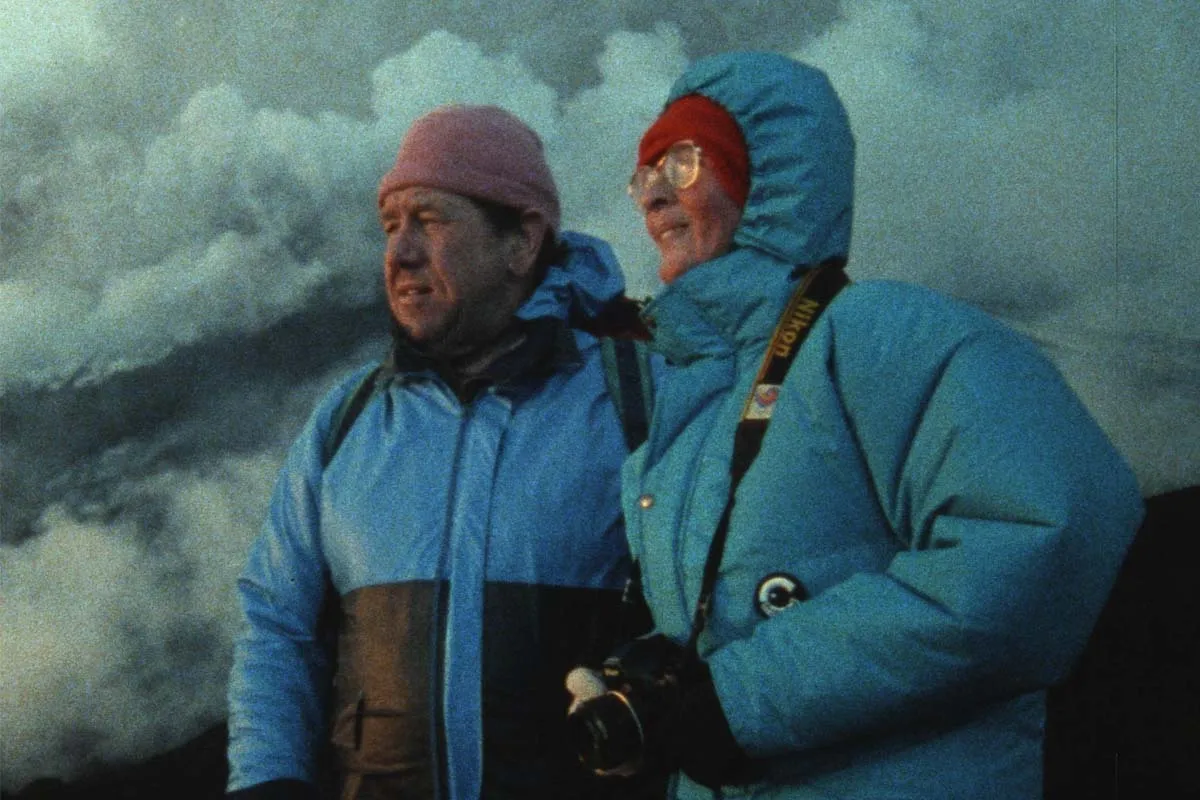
(478, 151)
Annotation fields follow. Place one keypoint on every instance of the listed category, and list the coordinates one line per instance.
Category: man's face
(689, 226)
(452, 281)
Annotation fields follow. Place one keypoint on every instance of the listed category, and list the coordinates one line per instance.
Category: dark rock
(1126, 724)
(194, 771)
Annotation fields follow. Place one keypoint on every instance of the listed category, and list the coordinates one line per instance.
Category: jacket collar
(720, 308)
(526, 354)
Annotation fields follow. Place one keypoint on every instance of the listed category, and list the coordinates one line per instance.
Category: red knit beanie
(478, 151)
(717, 133)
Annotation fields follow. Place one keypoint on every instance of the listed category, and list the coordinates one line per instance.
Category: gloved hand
(666, 713)
(702, 744)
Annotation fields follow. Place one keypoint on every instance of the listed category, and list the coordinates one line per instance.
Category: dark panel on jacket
(534, 635)
(387, 687)
(387, 722)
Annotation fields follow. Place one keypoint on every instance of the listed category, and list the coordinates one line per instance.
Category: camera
(623, 731)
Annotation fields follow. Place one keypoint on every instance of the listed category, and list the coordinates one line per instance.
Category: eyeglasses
(679, 167)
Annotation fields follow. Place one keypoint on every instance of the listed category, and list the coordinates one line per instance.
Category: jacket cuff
(282, 789)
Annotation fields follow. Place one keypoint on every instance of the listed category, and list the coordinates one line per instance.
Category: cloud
(42, 38)
(118, 632)
(237, 217)
(971, 181)
(1033, 160)
(224, 225)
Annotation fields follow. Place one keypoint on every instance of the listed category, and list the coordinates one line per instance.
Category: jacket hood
(800, 147)
(580, 285)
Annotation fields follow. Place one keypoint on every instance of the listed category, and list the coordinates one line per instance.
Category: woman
(930, 527)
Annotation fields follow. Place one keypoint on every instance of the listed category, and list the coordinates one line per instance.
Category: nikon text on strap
(818, 288)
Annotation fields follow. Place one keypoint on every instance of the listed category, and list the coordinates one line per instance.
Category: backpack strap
(352, 405)
(627, 372)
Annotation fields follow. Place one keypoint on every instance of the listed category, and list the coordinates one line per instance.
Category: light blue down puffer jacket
(477, 554)
(950, 509)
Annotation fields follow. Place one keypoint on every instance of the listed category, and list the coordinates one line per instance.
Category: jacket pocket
(384, 712)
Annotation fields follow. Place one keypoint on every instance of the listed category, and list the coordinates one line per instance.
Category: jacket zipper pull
(360, 710)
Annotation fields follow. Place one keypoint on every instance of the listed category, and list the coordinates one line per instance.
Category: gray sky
(189, 256)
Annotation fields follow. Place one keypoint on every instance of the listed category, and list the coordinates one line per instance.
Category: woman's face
(689, 226)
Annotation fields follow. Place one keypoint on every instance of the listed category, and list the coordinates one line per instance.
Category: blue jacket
(928, 482)
(477, 553)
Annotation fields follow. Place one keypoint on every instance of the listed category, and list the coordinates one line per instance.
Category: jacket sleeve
(1012, 513)
(278, 686)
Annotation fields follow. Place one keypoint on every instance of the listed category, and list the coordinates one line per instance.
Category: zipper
(441, 609)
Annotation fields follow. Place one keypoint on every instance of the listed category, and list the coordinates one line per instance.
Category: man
(467, 524)
(864, 566)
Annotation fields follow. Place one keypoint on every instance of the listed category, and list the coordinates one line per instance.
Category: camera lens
(607, 734)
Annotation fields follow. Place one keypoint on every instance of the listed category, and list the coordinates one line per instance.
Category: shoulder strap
(343, 419)
(815, 292)
(627, 372)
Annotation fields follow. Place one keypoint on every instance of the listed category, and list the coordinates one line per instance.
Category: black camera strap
(818, 288)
